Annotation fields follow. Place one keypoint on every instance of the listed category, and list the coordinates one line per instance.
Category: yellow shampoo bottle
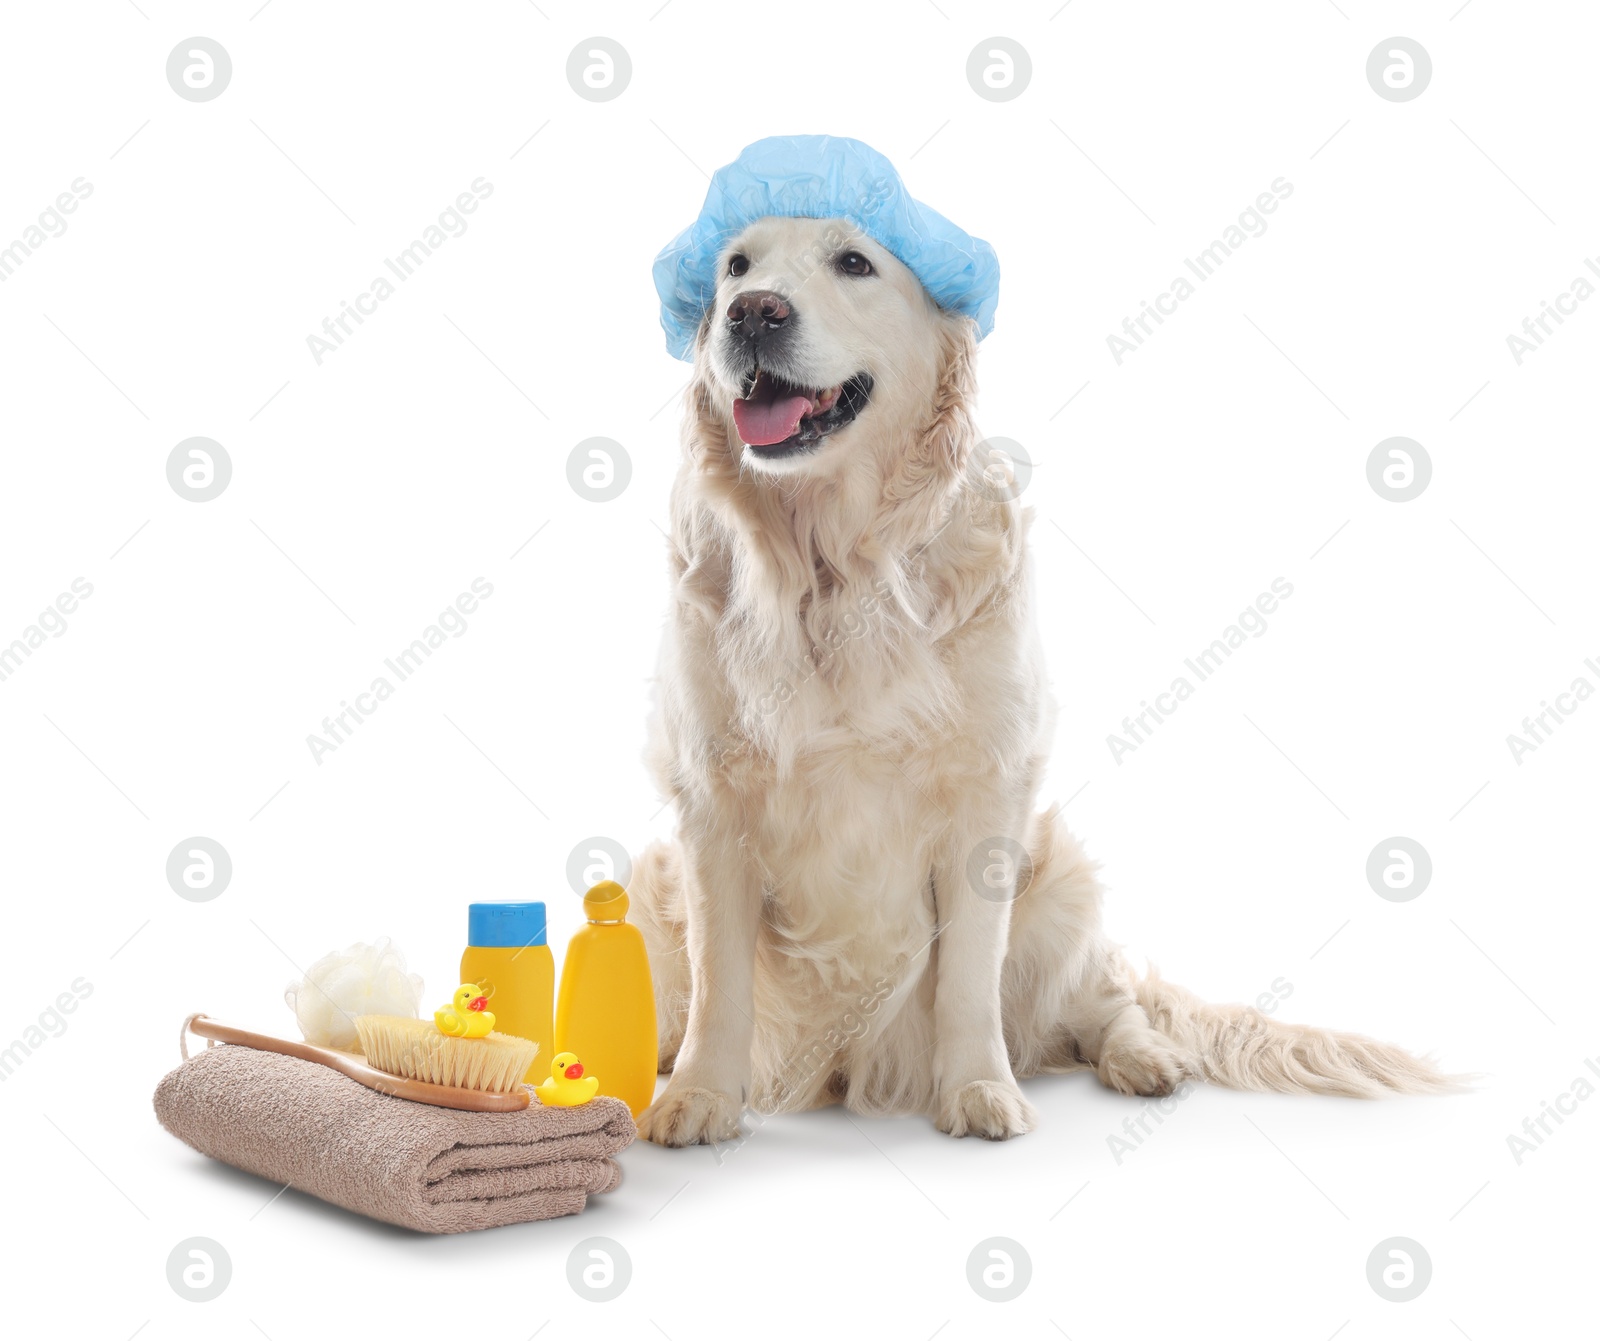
(508, 957)
(606, 1014)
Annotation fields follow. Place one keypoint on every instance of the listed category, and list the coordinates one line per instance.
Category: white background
(426, 452)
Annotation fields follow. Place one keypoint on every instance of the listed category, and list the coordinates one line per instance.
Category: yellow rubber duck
(568, 1086)
(467, 1015)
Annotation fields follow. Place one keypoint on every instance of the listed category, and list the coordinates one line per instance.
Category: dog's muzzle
(777, 418)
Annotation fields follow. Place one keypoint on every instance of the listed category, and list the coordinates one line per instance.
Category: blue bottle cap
(505, 925)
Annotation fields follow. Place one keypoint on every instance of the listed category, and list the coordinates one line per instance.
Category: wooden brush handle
(347, 1064)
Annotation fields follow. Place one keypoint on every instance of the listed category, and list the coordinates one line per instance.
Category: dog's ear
(938, 456)
(704, 432)
(705, 436)
(945, 446)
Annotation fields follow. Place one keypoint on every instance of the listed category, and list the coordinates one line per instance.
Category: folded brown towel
(438, 1170)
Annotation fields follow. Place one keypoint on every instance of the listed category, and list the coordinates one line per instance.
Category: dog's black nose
(758, 313)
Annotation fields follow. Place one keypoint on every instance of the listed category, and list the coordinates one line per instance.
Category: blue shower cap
(821, 177)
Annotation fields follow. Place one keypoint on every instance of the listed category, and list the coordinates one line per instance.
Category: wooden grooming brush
(411, 1059)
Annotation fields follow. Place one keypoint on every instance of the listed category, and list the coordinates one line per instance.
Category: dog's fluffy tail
(1239, 1047)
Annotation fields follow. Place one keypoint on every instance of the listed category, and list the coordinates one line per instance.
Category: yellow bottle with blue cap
(508, 957)
(606, 1013)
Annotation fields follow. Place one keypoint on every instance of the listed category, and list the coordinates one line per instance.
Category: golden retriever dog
(861, 904)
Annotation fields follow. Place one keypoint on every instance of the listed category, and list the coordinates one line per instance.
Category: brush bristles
(417, 1050)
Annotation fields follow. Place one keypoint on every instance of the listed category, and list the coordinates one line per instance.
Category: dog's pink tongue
(761, 423)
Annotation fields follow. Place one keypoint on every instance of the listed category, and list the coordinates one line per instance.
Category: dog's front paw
(690, 1116)
(992, 1109)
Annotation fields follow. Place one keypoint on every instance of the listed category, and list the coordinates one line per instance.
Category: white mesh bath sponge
(358, 980)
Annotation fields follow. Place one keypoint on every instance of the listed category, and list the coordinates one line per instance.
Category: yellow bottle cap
(606, 902)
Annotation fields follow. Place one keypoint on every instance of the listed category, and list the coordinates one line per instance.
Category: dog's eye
(737, 265)
(854, 263)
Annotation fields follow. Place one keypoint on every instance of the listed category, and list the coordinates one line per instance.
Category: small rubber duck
(467, 1015)
(568, 1086)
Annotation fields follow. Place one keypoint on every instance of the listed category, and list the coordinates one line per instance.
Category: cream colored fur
(852, 702)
